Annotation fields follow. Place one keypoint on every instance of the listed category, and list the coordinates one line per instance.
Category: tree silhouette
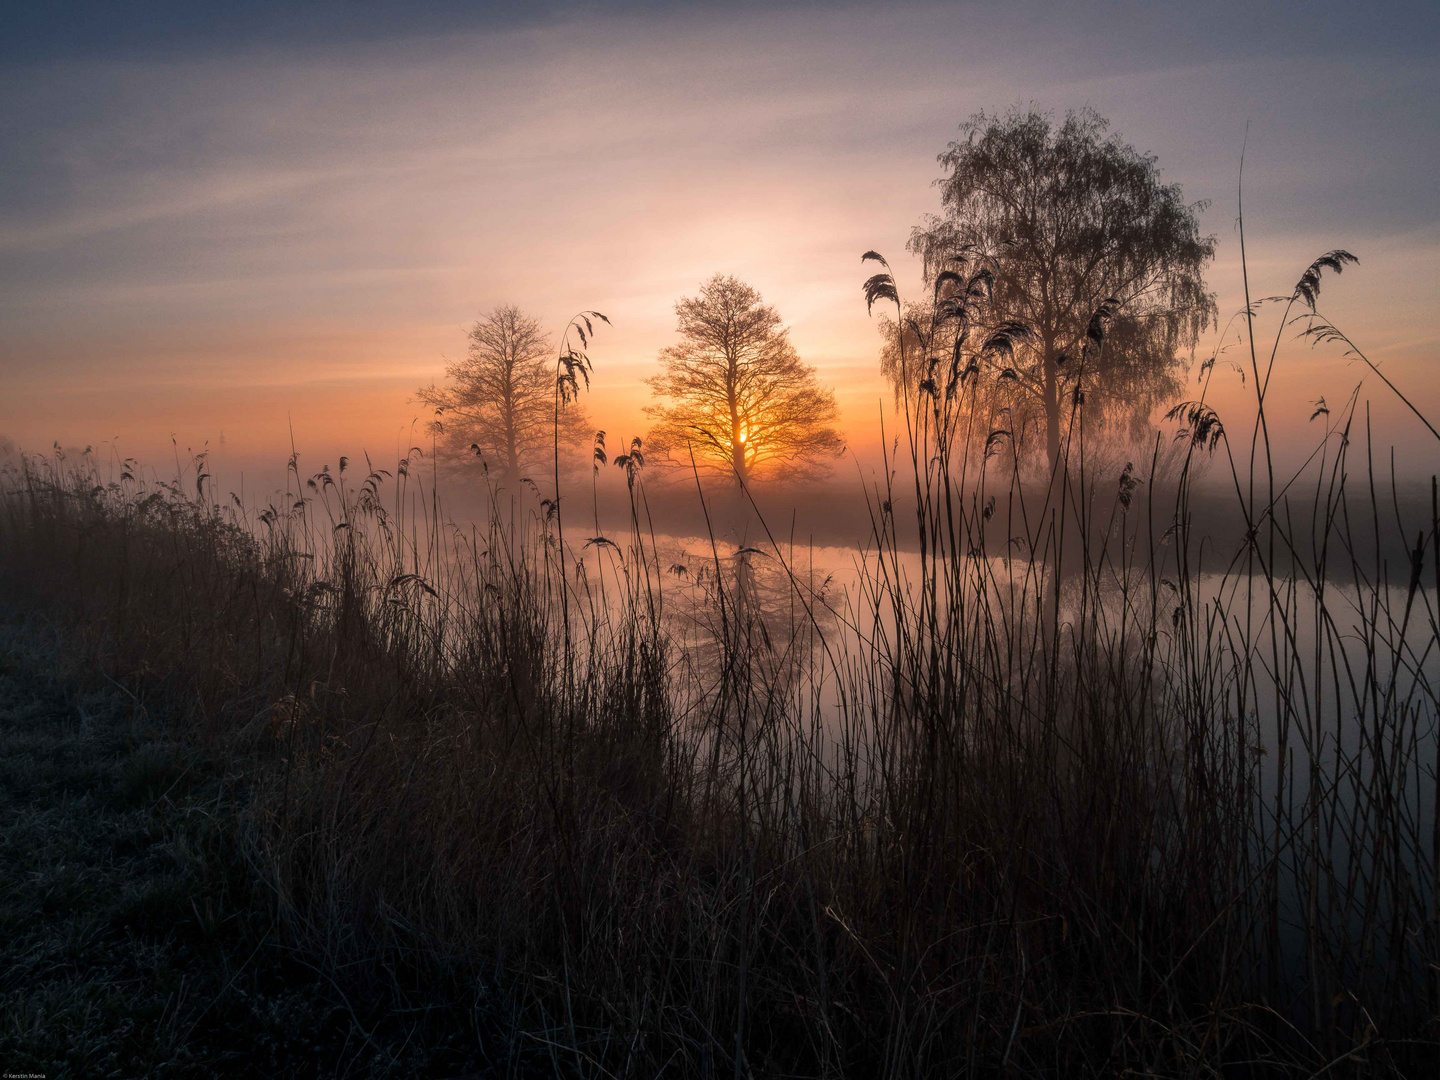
(1069, 218)
(739, 396)
(499, 402)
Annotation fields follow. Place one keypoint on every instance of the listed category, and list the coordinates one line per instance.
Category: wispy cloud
(374, 191)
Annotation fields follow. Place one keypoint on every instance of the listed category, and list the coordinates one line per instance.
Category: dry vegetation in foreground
(1142, 813)
(137, 934)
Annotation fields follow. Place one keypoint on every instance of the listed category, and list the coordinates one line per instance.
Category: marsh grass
(1061, 787)
(135, 937)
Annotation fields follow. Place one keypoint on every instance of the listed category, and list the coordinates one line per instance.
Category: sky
(232, 225)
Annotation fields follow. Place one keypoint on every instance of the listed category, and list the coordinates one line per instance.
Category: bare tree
(499, 400)
(1069, 219)
(738, 393)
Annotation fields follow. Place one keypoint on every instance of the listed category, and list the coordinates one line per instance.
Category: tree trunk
(512, 452)
(737, 456)
(512, 456)
(1052, 408)
(1054, 581)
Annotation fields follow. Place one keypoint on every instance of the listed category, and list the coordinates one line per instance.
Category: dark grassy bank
(138, 930)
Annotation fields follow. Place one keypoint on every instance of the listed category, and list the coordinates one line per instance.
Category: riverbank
(490, 819)
(138, 934)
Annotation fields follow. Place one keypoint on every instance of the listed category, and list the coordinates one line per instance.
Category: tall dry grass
(1063, 788)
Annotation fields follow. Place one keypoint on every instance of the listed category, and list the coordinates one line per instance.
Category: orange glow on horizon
(298, 245)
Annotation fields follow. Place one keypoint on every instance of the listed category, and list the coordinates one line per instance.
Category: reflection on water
(769, 612)
(1317, 702)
